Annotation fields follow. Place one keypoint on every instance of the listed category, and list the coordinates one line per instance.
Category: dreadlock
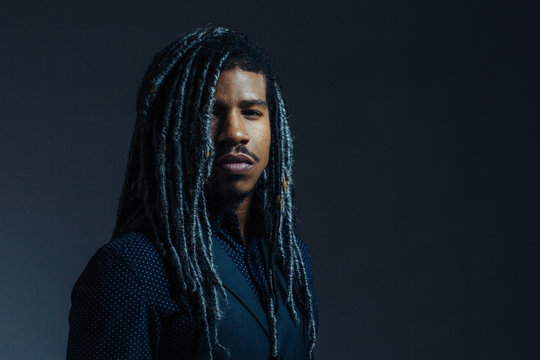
(170, 163)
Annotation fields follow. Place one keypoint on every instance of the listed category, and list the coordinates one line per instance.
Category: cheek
(266, 141)
(213, 129)
(260, 141)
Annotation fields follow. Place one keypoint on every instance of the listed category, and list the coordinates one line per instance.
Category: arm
(109, 316)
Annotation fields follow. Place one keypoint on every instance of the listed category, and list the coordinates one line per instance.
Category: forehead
(237, 84)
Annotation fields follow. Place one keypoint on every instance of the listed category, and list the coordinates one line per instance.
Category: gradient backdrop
(417, 162)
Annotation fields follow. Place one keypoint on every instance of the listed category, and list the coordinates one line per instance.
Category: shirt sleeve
(109, 316)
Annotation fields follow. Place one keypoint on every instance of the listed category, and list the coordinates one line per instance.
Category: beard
(228, 198)
(232, 198)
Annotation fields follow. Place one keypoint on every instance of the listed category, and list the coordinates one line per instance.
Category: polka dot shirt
(122, 305)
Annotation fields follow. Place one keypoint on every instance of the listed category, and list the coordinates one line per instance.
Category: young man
(204, 261)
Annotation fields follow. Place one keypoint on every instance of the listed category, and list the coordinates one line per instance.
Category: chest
(244, 329)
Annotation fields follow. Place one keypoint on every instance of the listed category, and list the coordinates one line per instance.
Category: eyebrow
(245, 103)
(254, 102)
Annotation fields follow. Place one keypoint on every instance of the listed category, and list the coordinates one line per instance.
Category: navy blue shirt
(122, 306)
(248, 258)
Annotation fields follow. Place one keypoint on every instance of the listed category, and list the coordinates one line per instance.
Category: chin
(230, 191)
(234, 196)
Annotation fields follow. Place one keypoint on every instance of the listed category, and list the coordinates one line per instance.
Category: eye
(251, 114)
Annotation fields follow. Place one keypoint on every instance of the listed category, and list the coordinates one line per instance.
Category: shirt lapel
(235, 283)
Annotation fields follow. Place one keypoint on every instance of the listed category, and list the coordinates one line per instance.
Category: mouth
(234, 164)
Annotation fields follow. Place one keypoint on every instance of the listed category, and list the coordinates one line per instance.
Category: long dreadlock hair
(170, 163)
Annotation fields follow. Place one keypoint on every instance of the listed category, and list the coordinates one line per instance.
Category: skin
(241, 122)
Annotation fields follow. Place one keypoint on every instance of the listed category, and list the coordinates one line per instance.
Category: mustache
(236, 149)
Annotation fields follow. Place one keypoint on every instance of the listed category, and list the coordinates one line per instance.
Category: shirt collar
(225, 222)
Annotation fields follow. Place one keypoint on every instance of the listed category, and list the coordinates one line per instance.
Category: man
(204, 262)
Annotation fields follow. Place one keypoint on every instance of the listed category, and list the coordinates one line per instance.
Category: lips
(234, 164)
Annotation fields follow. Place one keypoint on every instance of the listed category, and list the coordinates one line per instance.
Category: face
(241, 133)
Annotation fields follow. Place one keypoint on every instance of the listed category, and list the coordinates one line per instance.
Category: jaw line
(230, 198)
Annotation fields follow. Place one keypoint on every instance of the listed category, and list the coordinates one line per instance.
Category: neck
(242, 211)
(241, 207)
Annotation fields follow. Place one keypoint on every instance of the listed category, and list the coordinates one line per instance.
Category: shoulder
(309, 273)
(129, 261)
(137, 252)
(305, 254)
(119, 302)
(302, 246)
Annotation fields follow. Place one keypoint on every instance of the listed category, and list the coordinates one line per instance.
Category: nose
(232, 129)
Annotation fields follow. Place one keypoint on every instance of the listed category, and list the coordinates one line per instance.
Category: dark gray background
(417, 163)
